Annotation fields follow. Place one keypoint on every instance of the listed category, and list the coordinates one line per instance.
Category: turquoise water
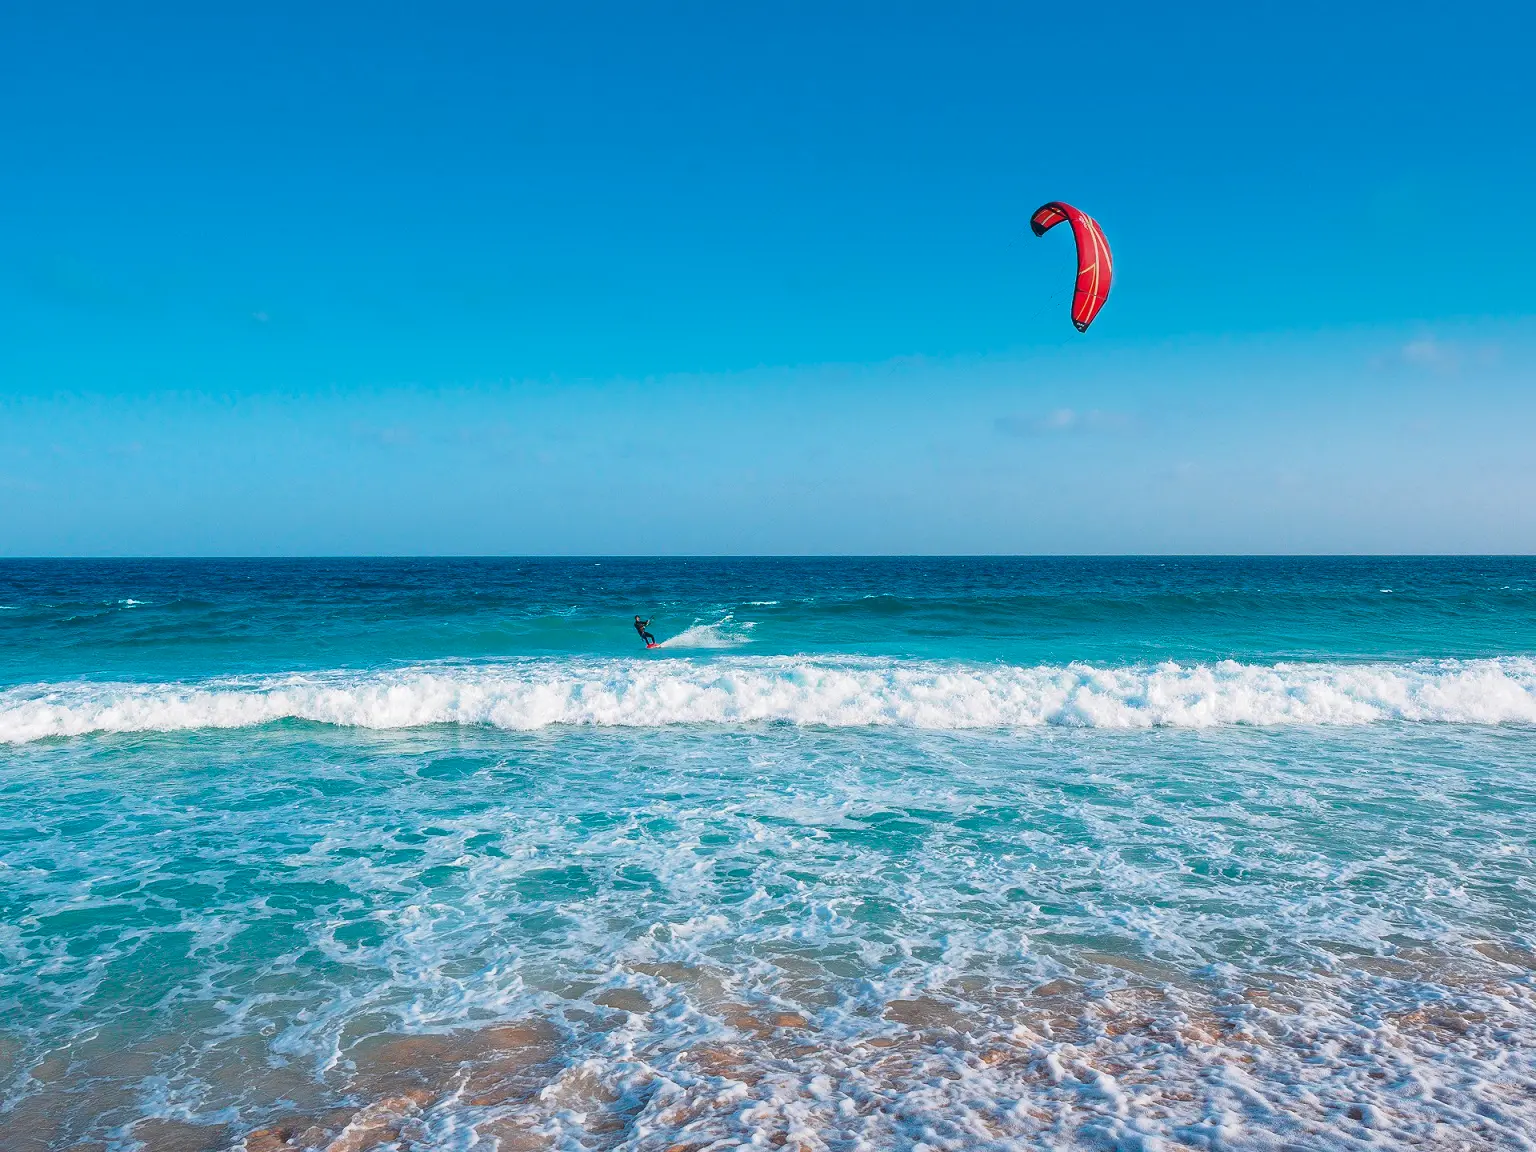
(870, 854)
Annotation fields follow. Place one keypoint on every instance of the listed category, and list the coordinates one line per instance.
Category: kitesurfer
(640, 627)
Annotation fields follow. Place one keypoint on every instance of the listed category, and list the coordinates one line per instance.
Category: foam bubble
(838, 693)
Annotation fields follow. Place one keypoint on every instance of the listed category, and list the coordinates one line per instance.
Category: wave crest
(932, 695)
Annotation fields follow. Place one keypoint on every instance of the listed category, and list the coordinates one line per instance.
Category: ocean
(906, 853)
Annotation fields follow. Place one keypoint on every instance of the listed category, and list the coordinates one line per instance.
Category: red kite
(1094, 264)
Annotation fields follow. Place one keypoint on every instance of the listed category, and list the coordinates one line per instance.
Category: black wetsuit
(644, 635)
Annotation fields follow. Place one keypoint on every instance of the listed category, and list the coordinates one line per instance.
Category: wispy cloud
(1430, 353)
(1061, 421)
(1427, 352)
(389, 437)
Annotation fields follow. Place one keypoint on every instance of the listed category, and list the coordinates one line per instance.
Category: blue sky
(498, 279)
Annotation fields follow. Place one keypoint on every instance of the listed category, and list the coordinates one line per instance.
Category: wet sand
(1145, 1055)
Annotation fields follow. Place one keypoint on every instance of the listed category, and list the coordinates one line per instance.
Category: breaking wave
(839, 693)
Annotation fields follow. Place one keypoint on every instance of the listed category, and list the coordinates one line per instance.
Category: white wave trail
(702, 636)
(846, 693)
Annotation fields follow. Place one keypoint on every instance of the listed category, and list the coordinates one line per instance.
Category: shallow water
(1236, 857)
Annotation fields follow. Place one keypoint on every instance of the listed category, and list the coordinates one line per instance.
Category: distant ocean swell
(836, 693)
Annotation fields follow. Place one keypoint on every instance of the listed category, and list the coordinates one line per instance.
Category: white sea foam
(838, 693)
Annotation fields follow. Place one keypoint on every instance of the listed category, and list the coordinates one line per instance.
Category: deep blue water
(180, 619)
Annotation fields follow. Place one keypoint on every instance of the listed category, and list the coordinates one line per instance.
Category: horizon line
(298, 556)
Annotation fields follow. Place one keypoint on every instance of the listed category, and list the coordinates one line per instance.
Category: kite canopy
(1094, 264)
